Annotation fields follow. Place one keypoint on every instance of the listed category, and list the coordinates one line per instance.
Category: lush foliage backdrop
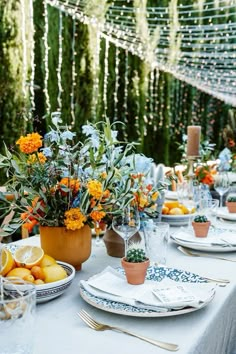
(157, 121)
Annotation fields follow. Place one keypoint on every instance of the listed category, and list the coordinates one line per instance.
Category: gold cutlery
(97, 326)
(187, 252)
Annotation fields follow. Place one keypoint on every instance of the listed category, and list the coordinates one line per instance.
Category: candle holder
(191, 175)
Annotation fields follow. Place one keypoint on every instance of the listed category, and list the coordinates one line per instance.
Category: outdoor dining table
(209, 330)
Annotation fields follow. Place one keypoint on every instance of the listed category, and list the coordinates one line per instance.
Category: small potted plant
(135, 264)
(201, 225)
(231, 203)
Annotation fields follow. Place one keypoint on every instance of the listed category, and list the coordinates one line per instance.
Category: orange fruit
(54, 272)
(18, 272)
(165, 210)
(8, 262)
(28, 256)
(29, 278)
(171, 204)
(37, 272)
(176, 211)
(39, 282)
(46, 261)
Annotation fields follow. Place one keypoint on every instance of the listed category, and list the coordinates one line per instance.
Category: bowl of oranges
(50, 277)
(176, 213)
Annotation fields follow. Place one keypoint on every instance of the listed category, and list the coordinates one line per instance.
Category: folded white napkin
(157, 296)
(223, 238)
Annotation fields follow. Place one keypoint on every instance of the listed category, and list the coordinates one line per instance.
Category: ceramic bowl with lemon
(176, 213)
(29, 263)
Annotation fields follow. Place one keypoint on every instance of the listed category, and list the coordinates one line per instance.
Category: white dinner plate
(208, 244)
(155, 274)
(224, 214)
(176, 220)
(171, 195)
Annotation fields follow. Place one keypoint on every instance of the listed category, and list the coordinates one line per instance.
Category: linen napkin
(223, 238)
(157, 296)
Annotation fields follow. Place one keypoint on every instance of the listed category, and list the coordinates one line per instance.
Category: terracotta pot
(135, 272)
(73, 247)
(231, 207)
(115, 244)
(201, 228)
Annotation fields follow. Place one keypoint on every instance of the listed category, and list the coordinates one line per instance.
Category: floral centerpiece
(59, 182)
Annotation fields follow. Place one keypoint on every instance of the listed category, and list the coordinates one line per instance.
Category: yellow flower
(155, 196)
(39, 157)
(95, 189)
(143, 201)
(74, 219)
(30, 143)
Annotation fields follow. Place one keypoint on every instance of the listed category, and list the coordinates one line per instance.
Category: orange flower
(39, 157)
(97, 215)
(74, 219)
(30, 143)
(73, 184)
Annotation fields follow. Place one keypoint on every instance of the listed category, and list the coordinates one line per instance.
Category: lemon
(7, 262)
(46, 261)
(176, 211)
(53, 273)
(19, 273)
(37, 272)
(28, 256)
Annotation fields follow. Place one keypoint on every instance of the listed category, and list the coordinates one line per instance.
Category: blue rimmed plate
(155, 274)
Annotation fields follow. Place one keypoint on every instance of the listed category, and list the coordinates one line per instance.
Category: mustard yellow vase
(73, 247)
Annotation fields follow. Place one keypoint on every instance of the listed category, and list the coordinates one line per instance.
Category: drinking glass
(221, 184)
(126, 224)
(188, 195)
(17, 316)
(158, 237)
(209, 207)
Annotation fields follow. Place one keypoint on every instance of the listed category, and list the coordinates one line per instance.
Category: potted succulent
(135, 264)
(231, 203)
(201, 225)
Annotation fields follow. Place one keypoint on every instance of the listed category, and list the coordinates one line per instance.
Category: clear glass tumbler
(17, 316)
(157, 242)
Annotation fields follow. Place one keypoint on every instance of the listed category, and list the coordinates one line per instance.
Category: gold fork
(101, 327)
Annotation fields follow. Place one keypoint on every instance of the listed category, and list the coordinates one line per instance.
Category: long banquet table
(211, 330)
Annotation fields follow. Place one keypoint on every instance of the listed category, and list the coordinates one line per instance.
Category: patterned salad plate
(155, 274)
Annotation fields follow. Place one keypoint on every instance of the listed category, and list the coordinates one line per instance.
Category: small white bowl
(49, 291)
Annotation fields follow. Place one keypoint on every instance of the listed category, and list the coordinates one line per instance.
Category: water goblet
(221, 184)
(126, 224)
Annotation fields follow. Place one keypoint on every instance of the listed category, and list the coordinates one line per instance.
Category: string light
(32, 64)
(73, 73)
(60, 59)
(105, 76)
(24, 49)
(117, 78)
(46, 51)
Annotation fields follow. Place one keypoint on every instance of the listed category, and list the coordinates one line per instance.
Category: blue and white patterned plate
(155, 274)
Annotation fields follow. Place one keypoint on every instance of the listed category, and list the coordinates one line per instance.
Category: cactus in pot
(201, 225)
(135, 264)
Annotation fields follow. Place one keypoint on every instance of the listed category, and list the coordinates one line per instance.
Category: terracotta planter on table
(73, 247)
(231, 207)
(135, 272)
(201, 228)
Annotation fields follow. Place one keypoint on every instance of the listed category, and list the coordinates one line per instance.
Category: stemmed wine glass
(126, 224)
(221, 184)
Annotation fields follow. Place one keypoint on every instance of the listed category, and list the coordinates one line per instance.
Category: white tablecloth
(211, 330)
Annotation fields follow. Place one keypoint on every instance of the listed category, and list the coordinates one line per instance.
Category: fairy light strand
(73, 73)
(24, 49)
(32, 63)
(46, 52)
(105, 83)
(60, 60)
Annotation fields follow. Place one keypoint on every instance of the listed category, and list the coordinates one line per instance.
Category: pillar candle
(193, 142)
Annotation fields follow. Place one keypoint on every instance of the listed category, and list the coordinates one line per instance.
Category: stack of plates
(176, 220)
